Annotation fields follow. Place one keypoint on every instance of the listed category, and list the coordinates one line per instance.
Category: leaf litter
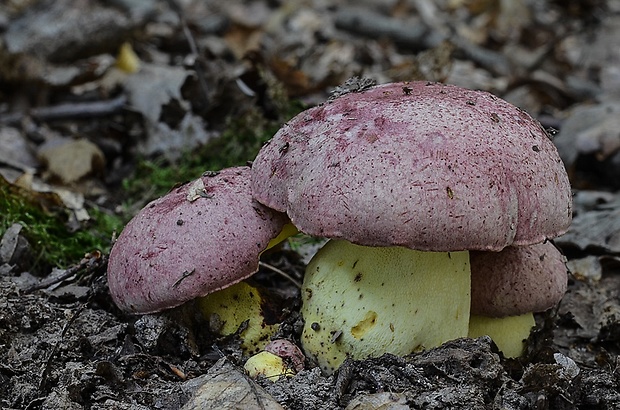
(64, 344)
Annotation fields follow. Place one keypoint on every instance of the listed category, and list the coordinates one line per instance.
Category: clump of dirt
(219, 77)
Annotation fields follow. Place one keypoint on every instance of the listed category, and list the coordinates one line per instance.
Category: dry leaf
(71, 160)
(15, 150)
(64, 29)
(155, 86)
(295, 80)
(47, 197)
(152, 90)
(127, 59)
(379, 401)
(225, 387)
(590, 129)
(15, 248)
(171, 142)
(595, 228)
(196, 190)
(22, 186)
(241, 40)
(588, 268)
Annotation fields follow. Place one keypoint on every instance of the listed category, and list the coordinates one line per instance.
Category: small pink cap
(517, 280)
(199, 238)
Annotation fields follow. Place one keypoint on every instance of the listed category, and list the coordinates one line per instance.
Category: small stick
(375, 25)
(194, 49)
(417, 37)
(280, 272)
(88, 109)
(88, 263)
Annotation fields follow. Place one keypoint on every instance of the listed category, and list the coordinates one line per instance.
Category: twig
(280, 272)
(371, 24)
(87, 263)
(89, 109)
(417, 37)
(184, 275)
(487, 59)
(194, 49)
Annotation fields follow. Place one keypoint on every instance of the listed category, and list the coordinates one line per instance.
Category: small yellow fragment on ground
(127, 59)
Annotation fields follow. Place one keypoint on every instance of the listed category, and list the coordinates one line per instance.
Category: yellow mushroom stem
(228, 309)
(509, 333)
(361, 301)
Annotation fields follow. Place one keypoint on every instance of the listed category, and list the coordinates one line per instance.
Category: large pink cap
(199, 238)
(517, 280)
(423, 165)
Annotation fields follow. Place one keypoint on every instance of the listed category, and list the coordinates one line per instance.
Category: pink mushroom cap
(517, 280)
(287, 350)
(423, 165)
(199, 238)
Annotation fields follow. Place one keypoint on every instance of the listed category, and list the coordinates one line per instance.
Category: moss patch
(44, 226)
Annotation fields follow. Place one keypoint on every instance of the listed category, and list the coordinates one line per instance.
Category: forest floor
(106, 105)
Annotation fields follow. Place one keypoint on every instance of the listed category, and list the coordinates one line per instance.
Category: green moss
(53, 244)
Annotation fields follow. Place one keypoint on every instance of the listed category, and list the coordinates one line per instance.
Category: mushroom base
(509, 333)
(361, 301)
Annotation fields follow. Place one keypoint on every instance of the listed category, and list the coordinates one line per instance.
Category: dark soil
(65, 345)
(71, 348)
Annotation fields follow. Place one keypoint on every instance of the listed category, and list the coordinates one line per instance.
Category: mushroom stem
(243, 304)
(361, 301)
(509, 333)
(240, 308)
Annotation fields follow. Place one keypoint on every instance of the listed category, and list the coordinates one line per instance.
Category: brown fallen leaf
(47, 197)
(71, 160)
(21, 187)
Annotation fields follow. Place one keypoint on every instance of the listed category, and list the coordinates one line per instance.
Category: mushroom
(200, 238)
(413, 171)
(268, 365)
(280, 357)
(508, 286)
